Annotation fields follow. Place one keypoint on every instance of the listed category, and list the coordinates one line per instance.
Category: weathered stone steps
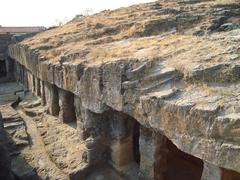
(157, 85)
(159, 74)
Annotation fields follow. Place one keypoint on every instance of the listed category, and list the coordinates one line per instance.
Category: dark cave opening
(3, 69)
(67, 109)
(230, 175)
(136, 135)
(178, 164)
(53, 99)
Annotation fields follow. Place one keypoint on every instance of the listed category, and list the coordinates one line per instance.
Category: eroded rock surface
(169, 66)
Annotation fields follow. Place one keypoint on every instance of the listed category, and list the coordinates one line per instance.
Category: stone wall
(115, 134)
(163, 87)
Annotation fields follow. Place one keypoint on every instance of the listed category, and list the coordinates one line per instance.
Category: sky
(52, 12)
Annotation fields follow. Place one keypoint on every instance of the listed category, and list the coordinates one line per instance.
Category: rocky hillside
(152, 30)
(171, 65)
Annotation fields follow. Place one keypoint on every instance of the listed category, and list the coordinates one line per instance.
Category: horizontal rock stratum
(173, 66)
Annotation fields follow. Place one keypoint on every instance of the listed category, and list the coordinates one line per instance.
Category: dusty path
(51, 148)
(38, 154)
(58, 145)
(26, 145)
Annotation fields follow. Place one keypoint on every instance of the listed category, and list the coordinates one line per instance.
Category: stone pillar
(21, 74)
(147, 151)
(16, 71)
(121, 129)
(10, 68)
(38, 87)
(94, 136)
(153, 152)
(29, 79)
(7, 65)
(79, 114)
(31, 82)
(47, 92)
(211, 172)
(43, 94)
(25, 78)
(34, 84)
(52, 99)
(67, 110)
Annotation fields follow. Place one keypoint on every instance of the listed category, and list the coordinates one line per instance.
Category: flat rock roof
(30, 29)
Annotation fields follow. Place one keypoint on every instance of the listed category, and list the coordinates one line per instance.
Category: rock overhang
(181, 79)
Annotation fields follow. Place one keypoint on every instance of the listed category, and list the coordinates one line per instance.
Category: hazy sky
(50, 12)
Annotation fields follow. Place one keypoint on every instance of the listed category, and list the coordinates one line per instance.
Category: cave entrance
(227, 174)
(177, 164)
(3, 69)
(34, 84)
(67, 109)
(124, 143)
(55, 108)
(212, 172)
(38, 87)
(52, 98)
(136, 135)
